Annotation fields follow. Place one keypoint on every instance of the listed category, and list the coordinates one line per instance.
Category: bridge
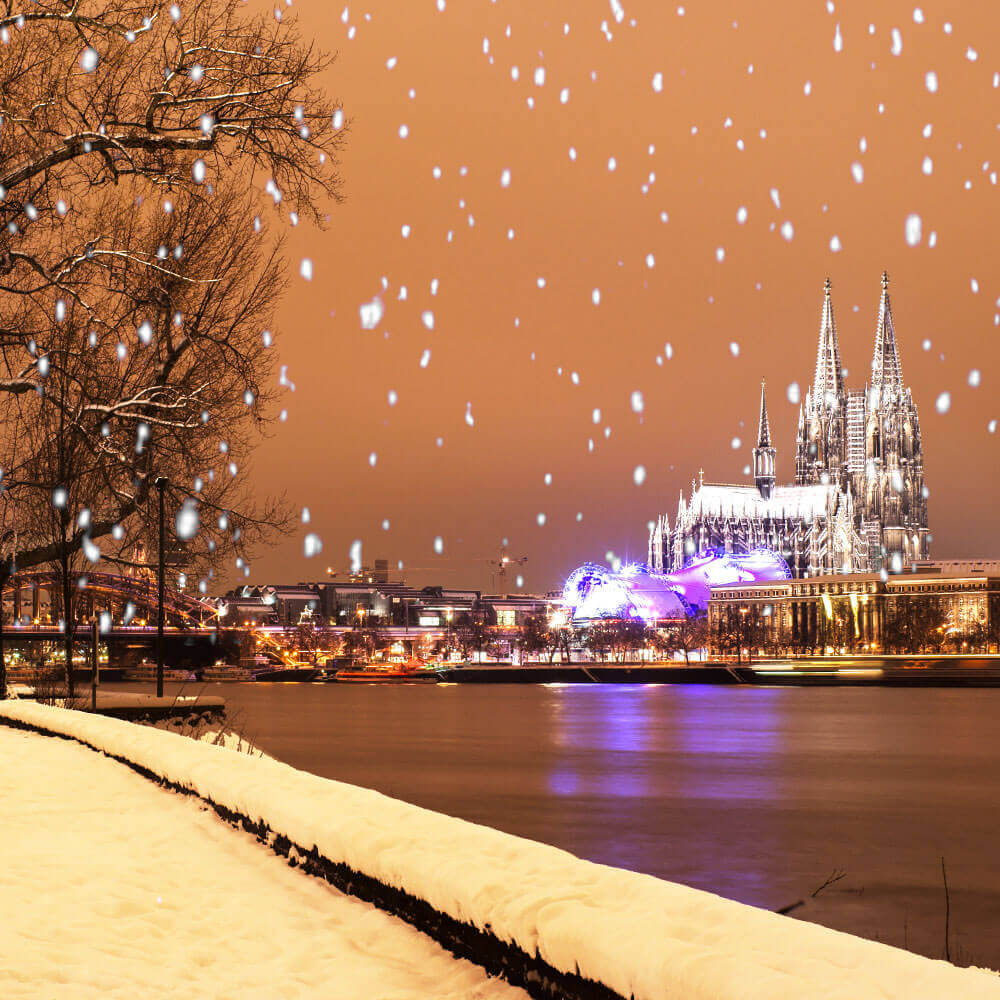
(132, 597)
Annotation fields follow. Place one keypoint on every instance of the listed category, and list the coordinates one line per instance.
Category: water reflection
(753, 793)
(619, 741)
(564, 781)
(706, 726)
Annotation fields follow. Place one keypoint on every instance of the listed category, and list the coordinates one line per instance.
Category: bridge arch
(103, 592)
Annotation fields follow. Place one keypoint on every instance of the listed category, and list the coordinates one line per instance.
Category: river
(759, 794)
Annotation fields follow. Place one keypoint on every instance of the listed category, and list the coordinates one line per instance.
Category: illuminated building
(943, 607)
(858, 504)
(593, 591)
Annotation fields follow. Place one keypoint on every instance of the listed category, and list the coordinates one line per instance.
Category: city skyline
(836, 166)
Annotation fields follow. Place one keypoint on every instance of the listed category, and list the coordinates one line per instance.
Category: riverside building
(858, 503)
(941, 607)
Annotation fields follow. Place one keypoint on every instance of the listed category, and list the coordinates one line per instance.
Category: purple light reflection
(702, 761)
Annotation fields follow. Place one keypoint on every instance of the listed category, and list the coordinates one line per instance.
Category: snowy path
(112, 887)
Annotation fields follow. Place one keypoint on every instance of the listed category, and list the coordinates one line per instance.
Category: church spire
(887, 375)
(763, 454)
(828, 384)
(763, 428)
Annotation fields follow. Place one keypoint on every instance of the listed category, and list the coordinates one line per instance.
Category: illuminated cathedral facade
(858, 503)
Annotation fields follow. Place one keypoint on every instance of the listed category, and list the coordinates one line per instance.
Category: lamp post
(161, 486)
(94, 662)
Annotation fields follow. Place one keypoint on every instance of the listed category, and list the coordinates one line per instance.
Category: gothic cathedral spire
(887, 375)
(763, 454)
(820, 442)
(763, 427)
(828, 385)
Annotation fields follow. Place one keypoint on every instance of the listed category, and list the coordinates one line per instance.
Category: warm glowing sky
(581, 227)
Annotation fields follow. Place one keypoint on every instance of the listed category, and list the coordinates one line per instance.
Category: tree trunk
(69, 624)
(4, 577)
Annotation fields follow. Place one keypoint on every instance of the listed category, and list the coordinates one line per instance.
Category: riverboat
(275, 672)
(226, 672)
(145, 671)
(413, 672)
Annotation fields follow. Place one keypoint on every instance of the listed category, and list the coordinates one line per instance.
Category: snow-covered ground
(640, 936)
(112, 887)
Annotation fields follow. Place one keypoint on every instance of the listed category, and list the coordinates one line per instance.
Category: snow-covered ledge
(544, 918)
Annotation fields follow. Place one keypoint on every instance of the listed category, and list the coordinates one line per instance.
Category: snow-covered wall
(636, 936)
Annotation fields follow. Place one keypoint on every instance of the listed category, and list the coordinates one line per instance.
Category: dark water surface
(757, 794)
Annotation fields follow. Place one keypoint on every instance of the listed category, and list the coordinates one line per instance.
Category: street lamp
(161, 485)
(743, 633)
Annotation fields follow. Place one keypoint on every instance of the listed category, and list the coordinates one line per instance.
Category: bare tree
(619, 636)
(8, 544)
(530, 635)
(62, 474)
(95, 92)
(686, 636)
(536, 634)
(138, 279)
(914, 624)
(729, 636)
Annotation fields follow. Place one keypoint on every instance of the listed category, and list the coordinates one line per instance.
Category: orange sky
(499, 341)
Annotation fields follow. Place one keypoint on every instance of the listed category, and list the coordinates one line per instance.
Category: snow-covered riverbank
(112, 887)
(637, 935)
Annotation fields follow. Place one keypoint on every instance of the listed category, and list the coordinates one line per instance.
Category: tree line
(909, 624)
(615, 639)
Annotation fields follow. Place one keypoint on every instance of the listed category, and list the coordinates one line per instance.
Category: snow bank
(639, 936)
(112, 890)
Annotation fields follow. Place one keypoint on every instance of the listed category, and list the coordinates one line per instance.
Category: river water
(758, 794)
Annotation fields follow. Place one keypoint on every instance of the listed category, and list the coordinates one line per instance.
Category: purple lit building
(593, 591)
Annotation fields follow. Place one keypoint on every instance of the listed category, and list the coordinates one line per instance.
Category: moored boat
(146, 671)
(289, 673)
(413, 672)
(226, 672)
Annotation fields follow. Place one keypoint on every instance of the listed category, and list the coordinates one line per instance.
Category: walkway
(112, 887)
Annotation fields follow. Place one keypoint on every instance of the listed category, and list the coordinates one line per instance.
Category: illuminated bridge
(35, 598)
(34, 638)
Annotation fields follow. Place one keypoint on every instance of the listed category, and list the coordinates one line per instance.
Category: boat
(293, 672)
(412, 672)
(226, 672)
(145, 671)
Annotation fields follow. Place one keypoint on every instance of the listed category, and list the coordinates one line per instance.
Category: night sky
(797, 112)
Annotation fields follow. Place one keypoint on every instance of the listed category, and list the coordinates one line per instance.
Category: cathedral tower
(894, 498)
(820, 448)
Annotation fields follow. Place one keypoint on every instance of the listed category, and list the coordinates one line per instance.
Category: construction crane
(500, 565)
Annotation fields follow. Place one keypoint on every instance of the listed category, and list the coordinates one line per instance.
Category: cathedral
(858, 504)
